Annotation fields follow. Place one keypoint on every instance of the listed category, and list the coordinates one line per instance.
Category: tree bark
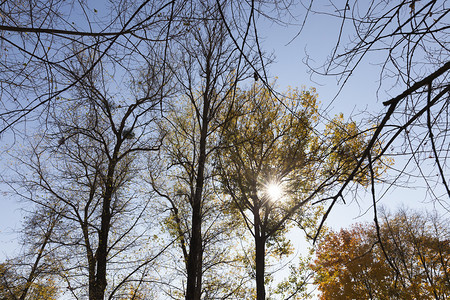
(260, 244)
(194, 266)
(260, 268)
(97, 291)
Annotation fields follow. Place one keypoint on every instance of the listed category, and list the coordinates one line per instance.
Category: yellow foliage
(345, 144)
(268, 139)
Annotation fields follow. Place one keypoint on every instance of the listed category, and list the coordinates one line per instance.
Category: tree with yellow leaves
(275, 162)
(18, 286)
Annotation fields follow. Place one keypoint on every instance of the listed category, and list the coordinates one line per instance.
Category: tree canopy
(274, 162)
(411, 260)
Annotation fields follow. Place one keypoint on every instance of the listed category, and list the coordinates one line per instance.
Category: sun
(274, 191)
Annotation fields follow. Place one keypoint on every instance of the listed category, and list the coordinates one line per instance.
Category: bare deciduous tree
(207, 72)
(84, 168)
(409, 41)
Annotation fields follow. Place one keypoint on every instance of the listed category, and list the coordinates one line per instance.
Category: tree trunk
(194, 266)
(260, 268)
(260, 248)
(97, 292)
(102, 253)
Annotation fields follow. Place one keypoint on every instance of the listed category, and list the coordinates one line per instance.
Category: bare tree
(85, 169)
(33, 274)
(207, 74)
(411, 40)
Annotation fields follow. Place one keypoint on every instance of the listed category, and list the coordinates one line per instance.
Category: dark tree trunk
(97, 291)
(260, 268)
(102, 253)
(194, 265)
(260, 248)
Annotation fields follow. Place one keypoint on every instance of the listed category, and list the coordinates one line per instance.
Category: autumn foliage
(415, 263)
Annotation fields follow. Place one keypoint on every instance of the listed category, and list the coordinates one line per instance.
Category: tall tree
(84, 169)
(413, 261)
(207, 72)
(274, 164)
(263, 149)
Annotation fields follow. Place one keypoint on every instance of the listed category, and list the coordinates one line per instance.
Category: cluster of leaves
(408, 259)
(268, 143)
(13, 284)
(349, 143)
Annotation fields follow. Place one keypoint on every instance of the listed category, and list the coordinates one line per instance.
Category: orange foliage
(350, 264)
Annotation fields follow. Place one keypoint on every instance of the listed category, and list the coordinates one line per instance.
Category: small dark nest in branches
(61, 141)
(128, 134)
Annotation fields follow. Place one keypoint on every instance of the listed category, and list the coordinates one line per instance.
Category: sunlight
(274, 191)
